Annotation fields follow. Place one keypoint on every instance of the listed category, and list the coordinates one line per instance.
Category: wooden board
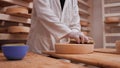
(97, 59)
(5, 17)
(2, 42)
(21, 15)
(35, 61)
(7, 36)
(5, 3)
(106, 50)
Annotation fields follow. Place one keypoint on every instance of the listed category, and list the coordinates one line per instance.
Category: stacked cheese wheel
(18, 29)
(112, 20)
(17, 9)
(84, 23)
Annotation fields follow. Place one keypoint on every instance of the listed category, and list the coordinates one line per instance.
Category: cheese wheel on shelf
(62, 48)
(84, 23)
(118, 46)
(112, 20)
(18, 29)
(17, 9)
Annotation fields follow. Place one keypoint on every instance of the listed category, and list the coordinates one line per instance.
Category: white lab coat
(50, 24)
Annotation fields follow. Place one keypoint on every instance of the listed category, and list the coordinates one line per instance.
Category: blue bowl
(15, 52)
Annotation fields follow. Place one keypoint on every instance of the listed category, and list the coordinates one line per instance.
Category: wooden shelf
(83, 19)
(21, 15)
(87, 29)
(83, 11)
(110, 44)
(11, 41)
(82, 2)
(6, 17)
(5, 3)
(112, 14)
(5, 36)
(112, 34)
(112, 5)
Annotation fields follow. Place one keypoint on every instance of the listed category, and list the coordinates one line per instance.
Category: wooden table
(35, 61)
(106, 59)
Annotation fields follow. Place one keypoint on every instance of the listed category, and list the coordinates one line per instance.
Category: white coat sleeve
(75, 26)
(51, 21)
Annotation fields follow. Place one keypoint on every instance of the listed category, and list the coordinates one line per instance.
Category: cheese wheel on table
(64, 48)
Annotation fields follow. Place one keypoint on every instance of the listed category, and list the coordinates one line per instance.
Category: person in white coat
(54, 21)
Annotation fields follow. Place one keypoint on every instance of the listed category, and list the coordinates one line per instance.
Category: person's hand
(78, 36)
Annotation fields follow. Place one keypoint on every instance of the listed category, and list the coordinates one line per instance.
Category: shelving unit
(84, 11)
(17, 19)
(7, 17)
(111, 8)
(24, 19)
(4, 3)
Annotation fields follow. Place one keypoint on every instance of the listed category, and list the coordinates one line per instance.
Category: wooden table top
(35, 61)
(100, 59)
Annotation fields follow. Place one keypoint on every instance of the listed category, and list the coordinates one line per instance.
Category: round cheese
(62, 48)
(112, 20)
(17, 9)
(84, 23)
(18, 29)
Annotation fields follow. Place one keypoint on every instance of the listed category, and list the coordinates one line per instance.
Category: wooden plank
(6, 17)
(84, 3)
(110, 44)
(5, 3)
(83, 11)
(85, 29)
(97, 59)
(83, 19)
(112, 5)
(112, 14)
(5, 36)
(20, 15)
(112, 34)
(36, 61)
(106, 50)
(12, 41)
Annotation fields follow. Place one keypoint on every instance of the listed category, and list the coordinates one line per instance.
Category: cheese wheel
(18, 29)
(112, 20)
(62, 48)
(84, 23)
(17, 9)
(118, 46)
(28, 0)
